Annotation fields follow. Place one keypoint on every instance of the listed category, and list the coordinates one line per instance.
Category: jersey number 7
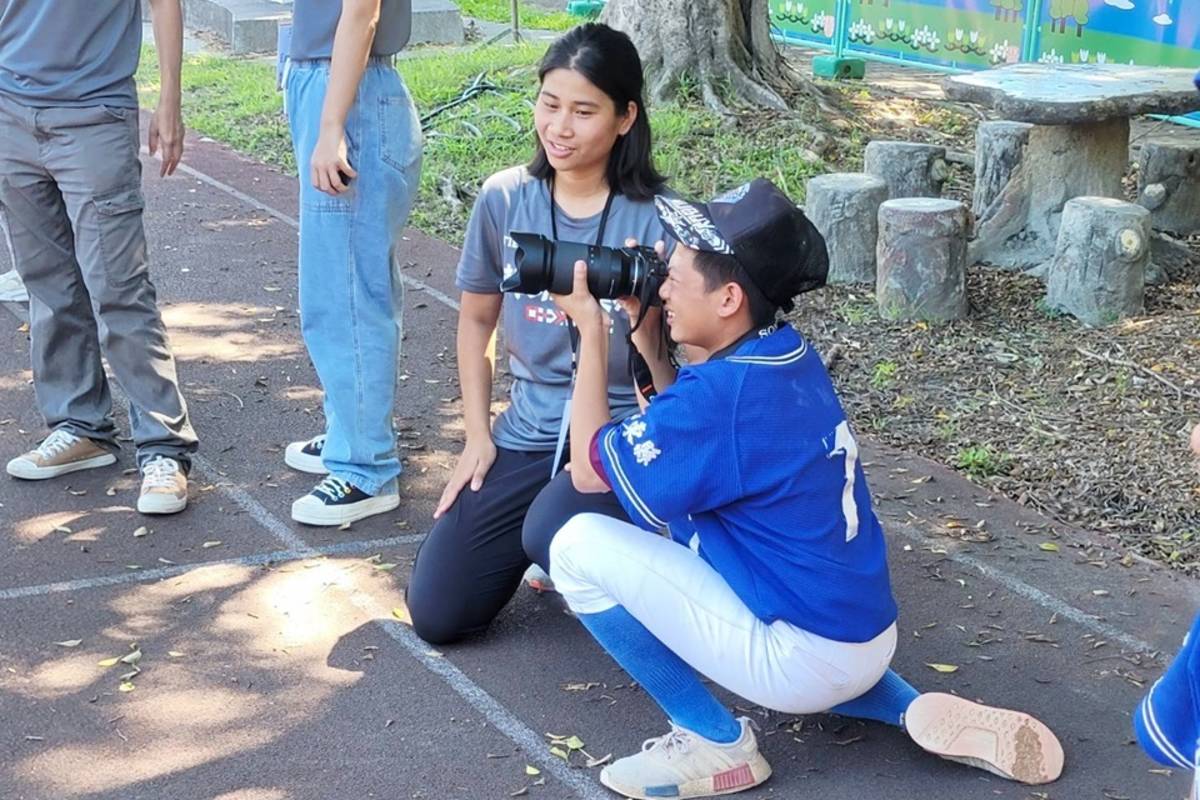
(844, 444)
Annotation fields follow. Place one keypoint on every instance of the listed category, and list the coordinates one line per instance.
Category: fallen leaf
(128, 676)
(77, 492)
(132, 658)
(63, 529)
(524, 790)
(399, 613)
(108, 662)
(386, 567)
(558, 751)
(945, 668)
(140, 532)
(126, 687)
(574, 743)
(175, 654)
(532, 770)
(70, 643)
(1049, 547)
(24, 328)
(111, 492)
(213, 543)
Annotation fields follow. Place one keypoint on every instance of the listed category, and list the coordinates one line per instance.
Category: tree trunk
(724, 47)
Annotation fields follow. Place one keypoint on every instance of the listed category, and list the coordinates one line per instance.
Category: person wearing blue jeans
(357, 140)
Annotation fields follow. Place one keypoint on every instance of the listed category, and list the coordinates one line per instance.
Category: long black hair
(608, 59)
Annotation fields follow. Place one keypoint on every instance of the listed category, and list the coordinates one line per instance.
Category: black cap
(756, 223)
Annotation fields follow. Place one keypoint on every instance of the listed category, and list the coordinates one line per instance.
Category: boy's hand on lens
(649, 334)
(579, 305)
(329, 165)
(473, 466)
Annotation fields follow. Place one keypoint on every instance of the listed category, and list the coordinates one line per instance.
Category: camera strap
(565, 427)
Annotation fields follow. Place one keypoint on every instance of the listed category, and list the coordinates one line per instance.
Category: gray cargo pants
(70, 195)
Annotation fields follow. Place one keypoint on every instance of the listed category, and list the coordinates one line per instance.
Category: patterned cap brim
(690, 224)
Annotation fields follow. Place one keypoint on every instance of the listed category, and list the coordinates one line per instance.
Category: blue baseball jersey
(750, 461)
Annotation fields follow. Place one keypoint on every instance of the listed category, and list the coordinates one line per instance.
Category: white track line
(1048, 601)
(159, 573)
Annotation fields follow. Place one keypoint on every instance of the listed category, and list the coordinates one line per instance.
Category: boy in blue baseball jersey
(774, 580)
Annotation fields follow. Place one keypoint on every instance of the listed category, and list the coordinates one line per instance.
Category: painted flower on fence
(1052, 57)
(924, 37)
(862, 31)
(967, 43)
(1005, 53)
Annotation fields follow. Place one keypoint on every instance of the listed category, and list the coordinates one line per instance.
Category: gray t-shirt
(70, 52)
(534, 330)
(314, 22)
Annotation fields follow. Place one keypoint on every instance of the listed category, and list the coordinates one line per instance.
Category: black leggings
(472, 561)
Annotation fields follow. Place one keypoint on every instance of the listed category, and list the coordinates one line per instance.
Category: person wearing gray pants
(71, 199)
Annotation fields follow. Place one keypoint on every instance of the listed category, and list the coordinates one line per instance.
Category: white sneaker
(538, 580)
(1007, 743)
(164, 487)
(12, 288)
(59, 453)
(682, 764)
(334, 501)
(306, 456)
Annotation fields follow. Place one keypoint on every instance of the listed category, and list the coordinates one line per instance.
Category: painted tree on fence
(1008, 10)
(1060, 10)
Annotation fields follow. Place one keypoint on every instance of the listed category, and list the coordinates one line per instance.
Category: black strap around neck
(603, 216)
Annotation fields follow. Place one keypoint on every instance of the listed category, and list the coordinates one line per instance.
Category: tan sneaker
(59, 453)
(164, 487)
(682, 764)
(1007, 743)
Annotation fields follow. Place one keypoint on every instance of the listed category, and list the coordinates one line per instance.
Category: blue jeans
(351, 293)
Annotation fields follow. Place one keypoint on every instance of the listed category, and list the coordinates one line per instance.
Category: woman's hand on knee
(473, 465)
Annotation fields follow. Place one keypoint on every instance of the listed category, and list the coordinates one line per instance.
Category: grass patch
(884, 374)
(234, 101)
(980, 462)
(530, 16)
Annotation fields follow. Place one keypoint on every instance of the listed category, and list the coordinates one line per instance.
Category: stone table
(1079, 145)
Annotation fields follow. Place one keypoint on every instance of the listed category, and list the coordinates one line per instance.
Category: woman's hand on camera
(580, 305)
(473, 465)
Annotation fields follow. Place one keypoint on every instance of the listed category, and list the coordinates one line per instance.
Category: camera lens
(546, 265)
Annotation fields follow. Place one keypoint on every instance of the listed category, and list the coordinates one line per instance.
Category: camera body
(544, 265)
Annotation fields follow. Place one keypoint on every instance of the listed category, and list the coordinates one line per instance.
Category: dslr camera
(612, 272)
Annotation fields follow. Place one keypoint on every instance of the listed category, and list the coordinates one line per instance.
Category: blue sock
(1167, 721)
(886, 701)
(665, 676)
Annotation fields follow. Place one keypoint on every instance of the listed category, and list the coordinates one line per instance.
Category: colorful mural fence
(978, 34)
